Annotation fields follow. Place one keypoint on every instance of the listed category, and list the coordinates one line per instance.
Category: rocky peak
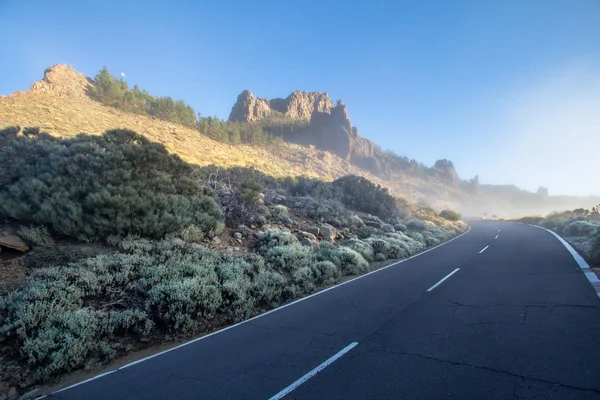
(248, 108)
(62, 80)
(299, 105)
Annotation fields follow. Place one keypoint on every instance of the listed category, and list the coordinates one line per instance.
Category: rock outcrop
(329, 128)
(297, 106)
(13, 242)
(248, 108)
(62, 81)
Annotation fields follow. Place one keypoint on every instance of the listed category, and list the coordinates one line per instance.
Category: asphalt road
(516, 321)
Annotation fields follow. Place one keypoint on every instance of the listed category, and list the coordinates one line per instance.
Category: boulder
(238, 236)
(312, 229)
(308, 235)
(310, 243)
(328, 233)
(13, 242)
(216, 241)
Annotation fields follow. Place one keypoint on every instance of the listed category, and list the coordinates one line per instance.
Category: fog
(549, 134)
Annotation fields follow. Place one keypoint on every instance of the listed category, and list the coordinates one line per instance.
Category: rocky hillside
(320, 142)
(60, 104)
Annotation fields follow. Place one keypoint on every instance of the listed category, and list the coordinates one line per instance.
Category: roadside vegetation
(130, 245)
(581, 227)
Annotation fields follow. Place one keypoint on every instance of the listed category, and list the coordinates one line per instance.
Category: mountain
(319, 140)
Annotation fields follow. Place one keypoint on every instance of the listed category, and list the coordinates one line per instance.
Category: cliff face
(334, 132)
(330, 127)
(298, 106)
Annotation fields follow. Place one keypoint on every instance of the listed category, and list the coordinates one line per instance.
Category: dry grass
(65, 113)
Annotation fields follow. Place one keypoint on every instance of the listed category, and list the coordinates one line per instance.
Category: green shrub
(236, 285)
(450, 215)
(358, 193)
(581, 228)
(381, 248)
(273, 238)
(418, 226)
(595, 250)
(304, 278)
(287, 258)
(41, 257)
(268, 287)
(364, 248)
(36, 236)
(400, 227)
(349, 261)
(352, 263)
(279, 210)
(91, 187)
(325, 272)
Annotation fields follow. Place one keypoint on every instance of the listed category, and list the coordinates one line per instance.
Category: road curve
(501, 312)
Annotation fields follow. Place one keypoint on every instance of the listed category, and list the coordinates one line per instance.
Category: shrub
(91, 187)
(450, 215)
(352, 262)
(288, 258)
(304, 278)
(267, 287)
(360, 194)
(279, 210)
(581, 228)
(418, 226)
(400, 227)
(381, 248)
(325, 272)
(49, 256)
(349, 262)
(273, 238)
(36, 236)
(361, 247)
(237, 301)
(595, 250)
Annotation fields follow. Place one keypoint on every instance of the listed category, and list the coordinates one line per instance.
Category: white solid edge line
(484, 249)
(313, 372)
(86, 381)
(267, 312)
(496, 237)
(587, 271)
(443, 279)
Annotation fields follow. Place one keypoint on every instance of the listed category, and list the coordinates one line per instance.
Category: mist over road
(503, 311)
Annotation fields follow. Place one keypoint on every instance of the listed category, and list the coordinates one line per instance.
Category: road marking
(587, 271)
(485, 248)
(313, 372)
(443, 279)
(81, 383)
(265, 313)
(496, 237)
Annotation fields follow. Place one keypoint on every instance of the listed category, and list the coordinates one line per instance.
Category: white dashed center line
(443, 279)
(484, 249)
(313, 372)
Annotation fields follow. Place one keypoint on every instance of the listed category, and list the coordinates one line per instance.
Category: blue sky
(509, 90)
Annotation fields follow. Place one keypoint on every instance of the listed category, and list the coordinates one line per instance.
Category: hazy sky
(509, 90)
